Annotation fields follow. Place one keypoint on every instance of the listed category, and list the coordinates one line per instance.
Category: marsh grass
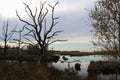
(34, 71)
(27, 71)
(104, 67)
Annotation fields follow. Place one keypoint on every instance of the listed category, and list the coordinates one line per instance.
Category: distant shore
(76, 53)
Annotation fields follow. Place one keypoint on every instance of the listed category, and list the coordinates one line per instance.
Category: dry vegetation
(26, 71)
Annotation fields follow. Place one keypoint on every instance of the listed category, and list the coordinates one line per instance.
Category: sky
(73, 20)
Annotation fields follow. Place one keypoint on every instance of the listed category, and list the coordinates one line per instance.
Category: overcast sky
(73, 20)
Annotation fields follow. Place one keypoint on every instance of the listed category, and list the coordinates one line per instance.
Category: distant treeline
(78, 53)
(30, 54)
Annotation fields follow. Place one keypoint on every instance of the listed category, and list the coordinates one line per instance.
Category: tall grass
(27, 71)
(34, 71)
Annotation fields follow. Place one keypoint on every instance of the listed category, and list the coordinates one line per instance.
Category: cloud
(8, 7)
(72, 20)
(73, 17)
(74, 5)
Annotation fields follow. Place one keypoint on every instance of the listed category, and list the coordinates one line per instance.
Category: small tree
(105, 20)
(20, 37)
(6, 36)
(38, 28)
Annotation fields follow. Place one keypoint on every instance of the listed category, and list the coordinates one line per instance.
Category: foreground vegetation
(105, 67)
(26, 71)
(36, 71)
(33, 71)
(32, 63)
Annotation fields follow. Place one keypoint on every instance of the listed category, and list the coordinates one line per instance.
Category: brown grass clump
(27, 71)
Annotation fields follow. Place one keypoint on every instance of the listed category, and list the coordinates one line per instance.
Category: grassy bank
(27, 71)
(33, 71)
(104, 67)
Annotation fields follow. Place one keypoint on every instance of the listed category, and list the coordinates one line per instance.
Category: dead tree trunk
(5, 36)
(39, 30)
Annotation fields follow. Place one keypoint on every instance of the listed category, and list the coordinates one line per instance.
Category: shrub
(69, 74)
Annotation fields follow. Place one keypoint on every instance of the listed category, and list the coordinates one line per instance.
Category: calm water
(84, 61)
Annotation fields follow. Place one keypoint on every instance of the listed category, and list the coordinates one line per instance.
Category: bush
(69, 74)
(105, 67)
(27, 71)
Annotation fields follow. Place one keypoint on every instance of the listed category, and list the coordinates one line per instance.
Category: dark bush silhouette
(77, 66)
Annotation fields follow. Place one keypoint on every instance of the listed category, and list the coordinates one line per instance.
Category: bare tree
(105, 20)
(38, 29)
(20, 37)
(5, 36)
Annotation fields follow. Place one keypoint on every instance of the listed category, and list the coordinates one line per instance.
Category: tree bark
(118, 21)
(5, 50)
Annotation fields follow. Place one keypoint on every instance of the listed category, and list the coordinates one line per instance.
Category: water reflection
(67, 65)
(84, 66)
(84, 63)
(109, 77)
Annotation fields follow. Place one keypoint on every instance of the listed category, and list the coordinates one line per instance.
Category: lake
(84, 61)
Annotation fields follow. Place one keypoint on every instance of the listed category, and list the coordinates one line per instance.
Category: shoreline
(77, 53)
